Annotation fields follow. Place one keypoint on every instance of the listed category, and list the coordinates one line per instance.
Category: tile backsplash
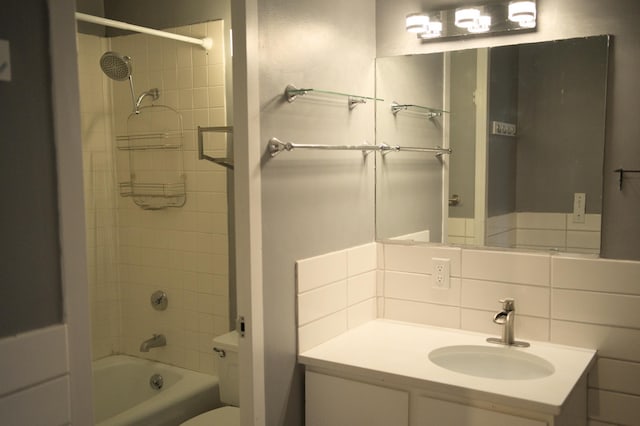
(578, 301)
(335, 292)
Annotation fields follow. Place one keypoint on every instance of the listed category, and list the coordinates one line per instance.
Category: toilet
(226, 353)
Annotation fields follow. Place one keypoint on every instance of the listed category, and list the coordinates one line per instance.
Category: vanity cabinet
(435, 412)
(334, 401)
(381, 373)
(340, 401)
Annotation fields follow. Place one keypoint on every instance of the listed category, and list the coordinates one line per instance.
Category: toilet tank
(227, 344)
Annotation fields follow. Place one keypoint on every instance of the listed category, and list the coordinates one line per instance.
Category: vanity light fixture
(473, 20)
(523, 12)
(417, 22)
(466, 17)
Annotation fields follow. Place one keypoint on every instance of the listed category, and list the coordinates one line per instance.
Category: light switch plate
(5, 61)
(579, 201)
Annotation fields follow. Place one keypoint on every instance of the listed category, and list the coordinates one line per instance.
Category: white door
(46, 373)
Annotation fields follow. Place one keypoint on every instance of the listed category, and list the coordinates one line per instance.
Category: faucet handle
(508, 303)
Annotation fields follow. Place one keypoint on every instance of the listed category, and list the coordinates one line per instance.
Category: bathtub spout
(156, 341)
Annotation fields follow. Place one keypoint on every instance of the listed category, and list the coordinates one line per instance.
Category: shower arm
(154, 93)
(133, 96)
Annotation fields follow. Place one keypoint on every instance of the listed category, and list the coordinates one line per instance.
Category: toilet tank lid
(227, 341)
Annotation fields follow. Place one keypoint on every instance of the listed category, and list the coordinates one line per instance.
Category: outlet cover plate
(441, 273)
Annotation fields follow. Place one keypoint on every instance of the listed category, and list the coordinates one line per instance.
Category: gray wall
(462, 134)
(566, 19)
(561, 124)
(502, 150)
(400, 176)
(30, 281)
(313, 202)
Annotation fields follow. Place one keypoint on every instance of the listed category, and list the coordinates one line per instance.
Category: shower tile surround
(578, 301)
(183, 251)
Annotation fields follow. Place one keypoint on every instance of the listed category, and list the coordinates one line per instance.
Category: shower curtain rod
(206, 42)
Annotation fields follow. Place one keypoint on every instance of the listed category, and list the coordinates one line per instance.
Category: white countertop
(394, 351)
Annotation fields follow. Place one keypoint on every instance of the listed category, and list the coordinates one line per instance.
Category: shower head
(116, 66)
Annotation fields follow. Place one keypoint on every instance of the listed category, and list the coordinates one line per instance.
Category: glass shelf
(431, 112)
(291, 92)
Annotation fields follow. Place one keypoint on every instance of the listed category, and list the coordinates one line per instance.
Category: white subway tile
(380, 283)
(451, 239)
(322, 330)
(596, 308)
(419, 288)
(527, 328)
(321, 270)
(361, 287)
(422, 313)
(591, 223)
(529, 300)
(321, 302)
(615, 276)
(583, 240)
(541, 221)
(501, 224)
(541, 238)
(417, 259)
(457, 227)
(380, 255)
(518, 268)
(612, 407)
(611, 342)
(362, 259)
(615, 375)
(505, 239)
(362, 312)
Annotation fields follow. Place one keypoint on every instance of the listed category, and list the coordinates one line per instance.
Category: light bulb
(416, 22)
(466, 17)
(522, 10)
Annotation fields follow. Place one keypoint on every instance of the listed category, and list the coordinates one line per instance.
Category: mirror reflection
(526, 127)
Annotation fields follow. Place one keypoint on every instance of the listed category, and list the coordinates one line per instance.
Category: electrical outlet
(441, 272)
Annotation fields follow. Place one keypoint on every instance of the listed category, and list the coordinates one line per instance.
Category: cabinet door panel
(332, 401)
(434, 412)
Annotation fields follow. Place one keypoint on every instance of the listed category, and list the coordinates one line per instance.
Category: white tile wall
(336, 291)
(183, 251)
(530, 230)
(507, 267)
(578, 301)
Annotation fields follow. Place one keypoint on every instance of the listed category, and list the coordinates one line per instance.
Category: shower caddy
(154, 142)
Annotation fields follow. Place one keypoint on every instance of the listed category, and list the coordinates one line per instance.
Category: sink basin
(501, 362)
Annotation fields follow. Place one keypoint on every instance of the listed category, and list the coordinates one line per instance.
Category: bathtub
(122, 393)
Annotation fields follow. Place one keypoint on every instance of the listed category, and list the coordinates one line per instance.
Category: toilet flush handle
(221, 353)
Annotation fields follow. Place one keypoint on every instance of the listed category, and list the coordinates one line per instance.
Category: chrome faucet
(156, 341)
(507, 318)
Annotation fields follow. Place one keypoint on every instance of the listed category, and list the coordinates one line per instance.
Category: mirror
(526, 125)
